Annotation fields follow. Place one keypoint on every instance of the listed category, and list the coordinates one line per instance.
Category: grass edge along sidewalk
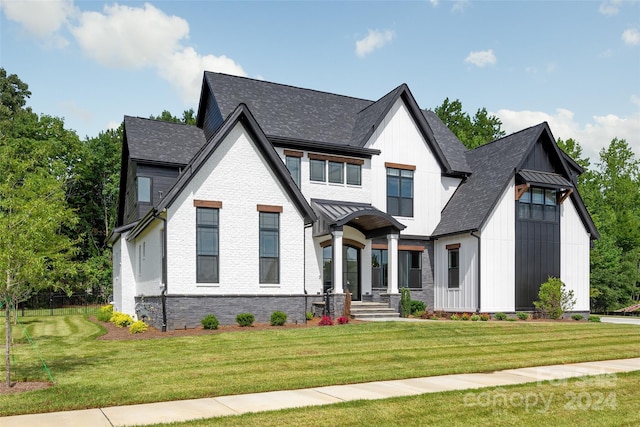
(93, 373)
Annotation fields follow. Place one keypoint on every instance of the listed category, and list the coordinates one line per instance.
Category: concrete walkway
(165, 412)
(623, 320)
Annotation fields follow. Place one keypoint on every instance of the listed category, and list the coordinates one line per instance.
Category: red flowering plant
(343, 320)
(326, 321)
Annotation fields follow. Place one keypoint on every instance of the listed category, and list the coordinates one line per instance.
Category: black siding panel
(539, 160)
(162, 179)
(131, 205)
(212, 117)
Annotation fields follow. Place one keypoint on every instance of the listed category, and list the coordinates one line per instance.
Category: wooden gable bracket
(521, 189)
(565, 195)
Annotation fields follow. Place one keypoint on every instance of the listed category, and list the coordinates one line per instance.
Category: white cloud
(481, 58)
(635, 99)
(631, 36)
(610, 7)
(113, 124)
(40, 18)
(374, 40)
(592, 136)
(434, 3)
(459, 6)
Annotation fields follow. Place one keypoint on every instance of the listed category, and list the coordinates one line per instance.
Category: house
(283, 198)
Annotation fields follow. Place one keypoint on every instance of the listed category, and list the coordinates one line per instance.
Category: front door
(351, 271)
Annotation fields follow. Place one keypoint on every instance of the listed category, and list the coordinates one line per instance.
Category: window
(316, 168)
(400, 192)
(293, 164)
(538, 204)
(269, 247)
(327, 268)
(354, 173)
(143, 188)
(379, 263)
(336, 172)
(207, 241)
(409, 269)
(454, 268)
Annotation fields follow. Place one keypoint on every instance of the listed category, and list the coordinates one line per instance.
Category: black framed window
(538, 204)
(409, 269)
(336, 172)
(269, 247)
(400, 192)
(327, 268)
(354, 174)
(379, 264)
(143, 189)
(317, 170)
(453, 281)
(207, 242)
(293, 164)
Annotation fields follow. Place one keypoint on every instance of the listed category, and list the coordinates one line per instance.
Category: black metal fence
(61, 304)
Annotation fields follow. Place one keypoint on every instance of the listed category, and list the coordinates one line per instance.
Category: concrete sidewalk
(165, 412)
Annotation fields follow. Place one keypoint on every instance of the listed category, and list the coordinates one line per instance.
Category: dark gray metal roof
(162, 142)
(362, 216)
(544, 179)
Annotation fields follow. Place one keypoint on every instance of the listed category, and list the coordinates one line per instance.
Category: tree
(13, 94)
(35, 252)
(553, 298)
(188, 117)
(472, 132)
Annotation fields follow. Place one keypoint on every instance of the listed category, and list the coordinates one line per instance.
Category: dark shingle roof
(164, 142)
(493, 166)
(450, 145)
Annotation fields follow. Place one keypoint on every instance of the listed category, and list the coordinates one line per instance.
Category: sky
(574, 64)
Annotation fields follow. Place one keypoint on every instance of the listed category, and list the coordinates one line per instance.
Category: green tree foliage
(553, 298)
(35, 250)
(471, 131)
(188, 117)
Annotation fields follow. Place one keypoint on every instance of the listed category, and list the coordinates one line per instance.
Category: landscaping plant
(138, 327)
(405, 302)
(209, 322)
(104, 313)
(326, 321)
(278, 318)
(554, 299)
(500, 316)
(343, 320)
(245, 319)
(577, 316)
(522, 315)
(417, 306)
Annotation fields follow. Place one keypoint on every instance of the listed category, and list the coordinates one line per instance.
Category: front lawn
(93, 373)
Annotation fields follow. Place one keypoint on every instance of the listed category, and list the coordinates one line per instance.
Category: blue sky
(575, 64)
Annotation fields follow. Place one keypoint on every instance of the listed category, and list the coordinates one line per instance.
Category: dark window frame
(398, 203)
(296, 175)
(334, 167)
(269, 261)
(138, 182)
(212, 274)
(354, 167)
(453, 268)
(317, 162)
(538, 204)
(381, 258)
(413, 279)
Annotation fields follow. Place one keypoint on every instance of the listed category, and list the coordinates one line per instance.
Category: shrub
(554, 299)
(594, 318)
(308, 315)
(138, 327)
(245, 319)
(121, 320)
(417, 306)
(278, 318)
(500, 316)
(421, 314)
(405, 302)
(523, 316)
(326, 321)
(209, 322)
(343, 320)
(104, 313)
(577, 316)
(485, 316)
(454, 316)
(465, 316)
(474, 317)
(511, 319)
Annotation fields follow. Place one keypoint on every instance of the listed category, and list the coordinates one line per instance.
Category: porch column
(392, 263)
(337, 261)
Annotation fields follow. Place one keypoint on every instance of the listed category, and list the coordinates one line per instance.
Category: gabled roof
(493, 166)
(452, 148)
(158, 141)
(240, 115)
(321, 118)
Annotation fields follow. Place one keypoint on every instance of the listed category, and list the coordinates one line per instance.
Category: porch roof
(544, 179)
(369, 220)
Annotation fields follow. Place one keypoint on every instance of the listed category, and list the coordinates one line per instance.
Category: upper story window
(336, 172)
(143, 189)
(335, 169)
(538, 204)
(316, 168)
(400, 190)
(354, 174)
(293, 161)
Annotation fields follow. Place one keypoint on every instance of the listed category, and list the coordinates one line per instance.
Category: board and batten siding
(238, 176)
(574, 255)
(497, 257)
(464, 298)
(399, 140)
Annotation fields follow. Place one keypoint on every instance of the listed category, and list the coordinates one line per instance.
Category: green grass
(93, 373)
(596, 401)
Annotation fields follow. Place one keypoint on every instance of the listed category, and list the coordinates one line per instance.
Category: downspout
(479, 267)
(164, 274)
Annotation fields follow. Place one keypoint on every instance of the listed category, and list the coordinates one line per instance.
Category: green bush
(245, 319)
(104, 313)
(405, 302)
(454, 316)
(209, 322)
(475, 318)
(577, 316)
(138, 327)
(121, 320)
(421, 314)
(278, 318)
(500, 316)
(523, 316)
(554, 299)
(308, 315)
(417, 306)
(594, 318)
(465, 316)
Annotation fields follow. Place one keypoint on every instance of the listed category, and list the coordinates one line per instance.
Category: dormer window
(143, 189)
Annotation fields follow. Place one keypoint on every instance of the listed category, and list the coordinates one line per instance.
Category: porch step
(371, 310)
